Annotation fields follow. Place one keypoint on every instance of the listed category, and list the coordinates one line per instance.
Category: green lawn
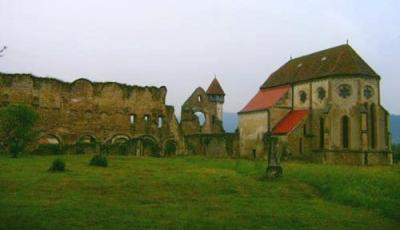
(194, 192)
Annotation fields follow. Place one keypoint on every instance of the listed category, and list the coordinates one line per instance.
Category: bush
(99, 160)
(18, 128)
(58, 165)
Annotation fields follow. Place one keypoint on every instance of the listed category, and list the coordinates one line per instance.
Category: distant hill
(395, 128)
(231, 123)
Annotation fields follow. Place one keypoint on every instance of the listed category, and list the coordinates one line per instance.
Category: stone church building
(322, 107)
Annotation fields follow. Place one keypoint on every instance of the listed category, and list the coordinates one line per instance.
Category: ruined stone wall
(218, 145)
(199, 102)
(102, 111)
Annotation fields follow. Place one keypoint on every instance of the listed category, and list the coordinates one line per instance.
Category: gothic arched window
(321, 93)
(303, 96)
(373, 126)
(345, 132)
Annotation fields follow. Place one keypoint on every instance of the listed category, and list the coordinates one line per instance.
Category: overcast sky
(182, 44)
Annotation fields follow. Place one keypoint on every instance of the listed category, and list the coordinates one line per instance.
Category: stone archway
(121, 144)
(149, 146)
(170, 147)
(86, 144)
(119, 138)
(49, 144)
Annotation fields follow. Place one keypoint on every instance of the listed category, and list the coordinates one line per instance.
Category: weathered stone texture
(103, 111)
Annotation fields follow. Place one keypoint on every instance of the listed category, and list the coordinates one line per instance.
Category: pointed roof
(340, 61)
(215, 88)
(290, 122)
(265, 99)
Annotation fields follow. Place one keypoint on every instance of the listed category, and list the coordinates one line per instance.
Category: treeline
(396, 152)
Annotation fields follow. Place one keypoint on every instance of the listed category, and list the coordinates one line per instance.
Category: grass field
(196, 193)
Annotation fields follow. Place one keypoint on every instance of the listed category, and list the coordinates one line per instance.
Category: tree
(17, 128)
(2, 51)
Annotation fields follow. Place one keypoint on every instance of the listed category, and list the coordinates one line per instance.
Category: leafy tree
(17, 128)
(396, 152)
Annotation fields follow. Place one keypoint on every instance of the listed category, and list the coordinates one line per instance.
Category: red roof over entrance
(266, 98)
(288, 123)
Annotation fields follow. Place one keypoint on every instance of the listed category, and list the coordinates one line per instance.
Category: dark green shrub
(58, 165)
(99, 160)
(170, 148)
(18, 127)
(396, 152)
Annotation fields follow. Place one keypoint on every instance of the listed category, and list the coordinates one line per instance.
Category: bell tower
(216, 95)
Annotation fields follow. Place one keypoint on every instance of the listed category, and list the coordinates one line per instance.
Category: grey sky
(181, 44)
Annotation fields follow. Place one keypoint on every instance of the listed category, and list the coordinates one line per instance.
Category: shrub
(58, 165)
(99, 160)
(18, 127)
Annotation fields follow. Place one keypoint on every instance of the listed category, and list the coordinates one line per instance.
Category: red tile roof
(215, 88)
(265, 98)
(290, 122)
(340, 61)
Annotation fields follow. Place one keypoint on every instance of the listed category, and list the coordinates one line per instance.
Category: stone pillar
(274, 169)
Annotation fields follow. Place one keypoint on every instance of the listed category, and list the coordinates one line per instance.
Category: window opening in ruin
(199, 98)
(146, 119)
(201, 117)
(373, 126)
(321, 133)
(345, 132)
(160, 122)
(132, 119)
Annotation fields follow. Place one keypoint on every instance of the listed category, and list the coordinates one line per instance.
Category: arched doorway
(85, 144)
(49, 144)
(170, 147)
(120, 144)
(150, 146)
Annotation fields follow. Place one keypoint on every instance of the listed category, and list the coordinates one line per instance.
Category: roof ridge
(320, 51)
